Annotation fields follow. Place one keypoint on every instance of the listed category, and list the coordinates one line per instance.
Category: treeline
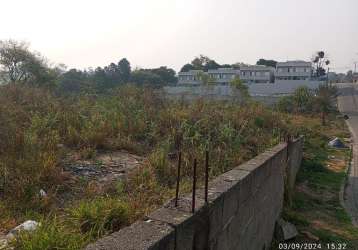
(114, 75)
(19, 65)
(205, 63)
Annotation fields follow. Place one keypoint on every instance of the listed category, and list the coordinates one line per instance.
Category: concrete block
(139, 236)
(190, 229)
(285, 230)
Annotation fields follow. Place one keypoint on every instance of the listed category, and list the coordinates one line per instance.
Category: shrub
(51, 234)
(99, 216)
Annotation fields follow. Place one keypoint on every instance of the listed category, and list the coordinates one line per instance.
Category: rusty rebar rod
(206, 175)
(288, 141)
(178, 180)
(194, 188)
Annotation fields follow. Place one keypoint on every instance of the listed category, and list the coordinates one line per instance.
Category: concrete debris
(106, 167)
(336, 143)
(42, 193)
(28, 225)
(285, 230)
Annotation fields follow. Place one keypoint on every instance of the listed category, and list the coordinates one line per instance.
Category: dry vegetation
(38, 129)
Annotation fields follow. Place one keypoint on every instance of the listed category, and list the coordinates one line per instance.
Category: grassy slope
(316, 209)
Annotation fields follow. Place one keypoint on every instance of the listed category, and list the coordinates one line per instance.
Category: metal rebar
(178, 180)
(194, 188)
(288, 141)
(206, 175)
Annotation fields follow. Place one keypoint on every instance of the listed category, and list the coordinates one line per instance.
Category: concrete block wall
(280, 87)
(295, 154)
(244, 205)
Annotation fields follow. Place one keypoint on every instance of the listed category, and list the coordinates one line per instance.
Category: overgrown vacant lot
(105, 161)
(43, 137)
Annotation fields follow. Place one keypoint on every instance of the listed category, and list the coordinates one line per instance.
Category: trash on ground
(336, 143)
(28, 225)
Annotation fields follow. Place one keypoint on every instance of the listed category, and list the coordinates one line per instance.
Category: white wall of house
(223, 75)
(190, 78)
(256, 74)
(293, 70)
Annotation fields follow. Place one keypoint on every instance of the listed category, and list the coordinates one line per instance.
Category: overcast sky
(151, 33)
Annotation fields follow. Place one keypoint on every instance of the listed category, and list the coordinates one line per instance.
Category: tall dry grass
(36, 126)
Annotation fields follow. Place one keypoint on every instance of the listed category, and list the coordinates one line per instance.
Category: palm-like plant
(324, 99)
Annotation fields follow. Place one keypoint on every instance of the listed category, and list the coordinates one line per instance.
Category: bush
(51, 234)
(99, 216)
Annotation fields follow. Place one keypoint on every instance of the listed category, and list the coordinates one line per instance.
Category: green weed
(99, 216)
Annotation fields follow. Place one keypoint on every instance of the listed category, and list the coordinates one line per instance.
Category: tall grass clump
(28, 142)
(51, 234)
(99, 216)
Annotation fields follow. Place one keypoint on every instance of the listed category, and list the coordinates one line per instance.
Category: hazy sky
(151, 33)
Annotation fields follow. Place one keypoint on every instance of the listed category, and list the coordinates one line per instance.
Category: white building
(293, 70)
(223, 76)
(257, 74)
(191, 77)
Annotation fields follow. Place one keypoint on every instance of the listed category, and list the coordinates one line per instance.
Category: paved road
(348, 104)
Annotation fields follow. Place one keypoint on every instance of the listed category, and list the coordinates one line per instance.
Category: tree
(73, 81)
(187, 67)
(323, 100)
(211, 64)
(99, 78)
(320, 61)
(205, 79)
(166, 74)
(269, 63)
(285, 104)
(113, 75)
(145, 77)
(125, 70)
(19, 65)
(240, 88)
(201, 63)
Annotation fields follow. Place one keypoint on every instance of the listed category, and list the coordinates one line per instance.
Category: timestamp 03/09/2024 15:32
(312, 246)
